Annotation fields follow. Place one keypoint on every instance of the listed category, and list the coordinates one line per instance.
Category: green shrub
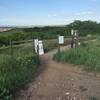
(86, 54)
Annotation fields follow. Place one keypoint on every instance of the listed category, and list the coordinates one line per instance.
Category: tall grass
(16, 70)
(87, 55)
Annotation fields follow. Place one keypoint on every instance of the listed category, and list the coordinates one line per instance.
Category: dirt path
(61, 82)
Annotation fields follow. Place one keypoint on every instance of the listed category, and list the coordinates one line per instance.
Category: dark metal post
(38, 50)
(76, 39)
(72, 41)
(58, 45)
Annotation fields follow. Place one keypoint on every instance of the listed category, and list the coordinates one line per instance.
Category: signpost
(60, 41)
(38, 47)
(74, 41)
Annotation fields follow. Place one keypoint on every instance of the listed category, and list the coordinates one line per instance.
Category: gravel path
(59, 81)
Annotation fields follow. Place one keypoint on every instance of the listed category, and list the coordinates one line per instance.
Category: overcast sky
(47, 12)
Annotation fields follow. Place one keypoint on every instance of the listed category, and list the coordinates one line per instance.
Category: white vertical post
(41, 49)
(72, 32)
(36, 45)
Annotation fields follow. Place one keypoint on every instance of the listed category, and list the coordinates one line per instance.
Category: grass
(16, 69)
(88, 54)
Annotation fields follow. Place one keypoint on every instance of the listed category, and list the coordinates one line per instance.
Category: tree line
(49, 32)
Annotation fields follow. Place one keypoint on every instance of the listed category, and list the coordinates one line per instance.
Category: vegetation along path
(58, 81)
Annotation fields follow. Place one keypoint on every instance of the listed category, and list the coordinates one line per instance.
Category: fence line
(20, 43)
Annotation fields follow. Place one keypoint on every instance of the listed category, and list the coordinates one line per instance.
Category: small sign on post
(61, 39)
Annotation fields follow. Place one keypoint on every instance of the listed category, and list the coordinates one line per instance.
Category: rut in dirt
(59, 81)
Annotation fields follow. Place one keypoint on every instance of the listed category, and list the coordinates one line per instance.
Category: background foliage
(49, 32)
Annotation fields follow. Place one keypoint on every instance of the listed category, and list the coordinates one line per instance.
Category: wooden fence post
(11, 48)
(58, 47)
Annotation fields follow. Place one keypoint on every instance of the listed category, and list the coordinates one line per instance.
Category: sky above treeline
(47, 12)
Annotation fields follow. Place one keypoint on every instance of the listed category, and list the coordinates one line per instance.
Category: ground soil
(58, 81)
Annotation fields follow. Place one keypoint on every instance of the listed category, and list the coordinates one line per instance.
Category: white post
(36, 45)
(72, 32)
(41, 49)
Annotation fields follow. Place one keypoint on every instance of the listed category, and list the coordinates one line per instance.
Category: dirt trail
(61, 82)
